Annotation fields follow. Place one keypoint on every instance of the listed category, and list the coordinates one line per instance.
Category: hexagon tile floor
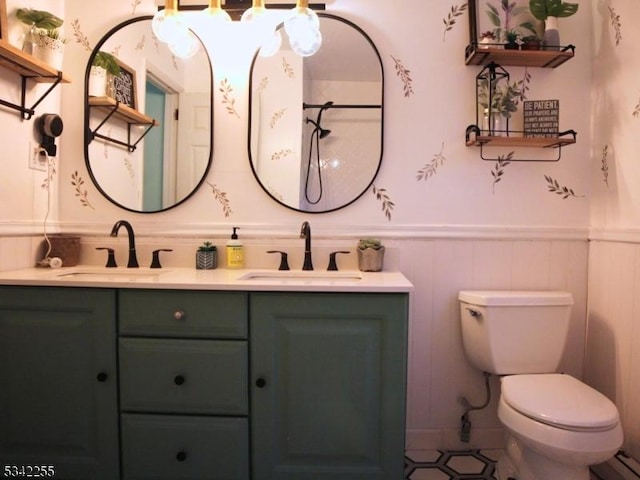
(439, 465)
(466, 465)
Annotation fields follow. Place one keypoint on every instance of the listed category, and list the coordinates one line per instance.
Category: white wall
(612, 361)
(456, 230)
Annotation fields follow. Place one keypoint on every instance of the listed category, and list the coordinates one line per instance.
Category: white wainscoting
(612, 362)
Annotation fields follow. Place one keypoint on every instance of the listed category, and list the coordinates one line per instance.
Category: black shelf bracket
(131, 147)
(26, 112)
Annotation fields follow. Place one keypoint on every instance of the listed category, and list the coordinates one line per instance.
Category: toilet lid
(560, 400)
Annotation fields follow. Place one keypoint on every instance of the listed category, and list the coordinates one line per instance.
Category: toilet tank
(511, 332)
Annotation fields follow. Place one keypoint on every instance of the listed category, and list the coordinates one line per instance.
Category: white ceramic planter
(48, 50)
(97, 82)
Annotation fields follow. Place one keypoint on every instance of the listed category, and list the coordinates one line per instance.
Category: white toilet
(556, 425)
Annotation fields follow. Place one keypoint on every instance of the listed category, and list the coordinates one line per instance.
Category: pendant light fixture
(303, 29)
(215, 14)
(257, 15)
(302, 26)
(168, 23)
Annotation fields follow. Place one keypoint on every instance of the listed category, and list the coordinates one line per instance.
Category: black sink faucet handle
(111, 258)
(333, 266)
(155, 262)
(284, 262)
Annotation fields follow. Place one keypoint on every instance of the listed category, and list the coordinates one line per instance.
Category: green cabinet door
(328, 374)
(58, 381)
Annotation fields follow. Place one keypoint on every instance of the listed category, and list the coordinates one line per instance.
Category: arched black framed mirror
(316, 123)
(149, 141)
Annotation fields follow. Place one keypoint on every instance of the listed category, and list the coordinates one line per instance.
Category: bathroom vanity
(192, 375)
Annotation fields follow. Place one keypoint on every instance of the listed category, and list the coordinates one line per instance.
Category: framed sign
(541, 118)
(125, 86)
(4, 33)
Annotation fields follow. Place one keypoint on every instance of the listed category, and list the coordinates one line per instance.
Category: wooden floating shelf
(476, 55)
(28, 66)
(123, 112)
(504, 141)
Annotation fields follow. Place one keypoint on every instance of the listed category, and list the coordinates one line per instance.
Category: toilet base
(525, 464)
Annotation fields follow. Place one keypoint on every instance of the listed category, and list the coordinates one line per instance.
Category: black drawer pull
(261, 383)
(102, 377)
(179, 315)
(179, 380)
(181, 456)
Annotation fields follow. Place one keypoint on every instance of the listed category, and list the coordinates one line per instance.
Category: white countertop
(217, 279)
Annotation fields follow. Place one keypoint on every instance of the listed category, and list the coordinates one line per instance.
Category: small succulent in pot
(207, 247)
(370, 255)
(531, 42)
(512, 37)
(369, 243)
(206, 256)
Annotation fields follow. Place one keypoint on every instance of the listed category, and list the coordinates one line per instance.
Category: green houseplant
(206, 256)
(107, 61)
(44, 40)
(370, 255)
(549, 11)
(504, 102)
(531, 42)
(512, 37)
(104, 68)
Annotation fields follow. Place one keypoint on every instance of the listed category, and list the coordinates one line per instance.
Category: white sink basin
(303, 275)
(110, 274)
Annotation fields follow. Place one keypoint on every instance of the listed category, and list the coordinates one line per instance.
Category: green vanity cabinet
(156, 384)
(184, 385)
(328, 373)
(58, 382)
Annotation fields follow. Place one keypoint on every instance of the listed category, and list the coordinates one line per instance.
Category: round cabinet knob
(179, 315)
(102, 377)
(261, 382)
(179, 380)
(181, 456)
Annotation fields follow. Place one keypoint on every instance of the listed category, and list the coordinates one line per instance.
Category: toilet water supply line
(465, 427)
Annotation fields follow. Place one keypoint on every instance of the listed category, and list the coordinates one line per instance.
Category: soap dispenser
(235, 253)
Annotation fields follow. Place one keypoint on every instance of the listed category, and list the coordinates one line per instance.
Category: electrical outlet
(37, 161)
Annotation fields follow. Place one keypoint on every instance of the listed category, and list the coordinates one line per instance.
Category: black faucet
(305, 232)
(133, 260)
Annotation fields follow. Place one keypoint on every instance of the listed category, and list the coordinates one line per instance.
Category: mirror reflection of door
(154, 150)
(193, 137)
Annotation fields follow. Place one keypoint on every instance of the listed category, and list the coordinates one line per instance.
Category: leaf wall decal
(405, 76)
(450, 21)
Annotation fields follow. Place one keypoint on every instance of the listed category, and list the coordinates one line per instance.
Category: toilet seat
(559, 400)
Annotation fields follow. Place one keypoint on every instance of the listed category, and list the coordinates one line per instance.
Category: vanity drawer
(184, 376)
(163, 447)
(183, 313)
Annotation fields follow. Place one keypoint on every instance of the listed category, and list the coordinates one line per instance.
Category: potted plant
(504, 101)
(531, 42)
(487, 39)
(44, 40)
(549, 11)
(512, 37)
(104, 68)
(206, 257)
(370, 255)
